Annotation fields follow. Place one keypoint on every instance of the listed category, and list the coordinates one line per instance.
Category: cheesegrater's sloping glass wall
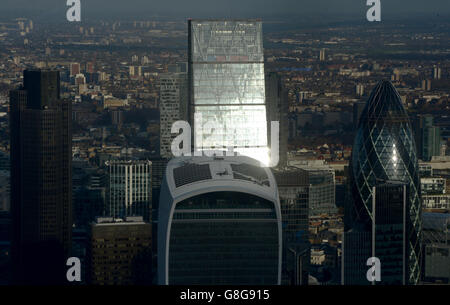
(227, 87)
(224, 238)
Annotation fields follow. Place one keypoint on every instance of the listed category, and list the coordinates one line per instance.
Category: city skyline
(231, 9)
(364, 145)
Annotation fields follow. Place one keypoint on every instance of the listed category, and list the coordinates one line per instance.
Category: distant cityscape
(87, 168)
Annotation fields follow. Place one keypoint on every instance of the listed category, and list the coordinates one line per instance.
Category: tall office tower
(390, 228)
(431, 139)
(89, 193)
(360, 89)
(219, 223)
(117, 117)
(437, 72)
(173, 98)
(443, 150)
(103, 76)
(21, 25)
(356, 249)
(427, 137)
(294, 192)
(426, 85)
(145, 60)
(226, 87)
(119, 252)
(322, 190)
(384, 149)
(293, 189)
(417, 123)
(41, 177)
(131, 71)
(321, 183)
(158, 170)
(89, 67)
(277, 110)
(74, 69)
(436, 244)
(129, 188)
(322, 56)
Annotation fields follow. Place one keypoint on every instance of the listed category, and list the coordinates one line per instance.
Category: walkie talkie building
(219, 223)
(226, 86)
(384, 149)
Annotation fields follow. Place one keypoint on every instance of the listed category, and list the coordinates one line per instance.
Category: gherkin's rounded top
(384, 105)
(384, 149)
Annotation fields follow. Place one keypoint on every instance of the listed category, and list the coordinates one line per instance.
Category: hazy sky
(216, 8)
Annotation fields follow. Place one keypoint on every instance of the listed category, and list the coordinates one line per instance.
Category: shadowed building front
(219, 223)
(41, 179)
(119, 251)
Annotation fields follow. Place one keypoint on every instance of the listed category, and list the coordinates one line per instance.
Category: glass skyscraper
(427, 136)
(129, 188)
(294, 202)
(219, 223)
(41, 178)
(384, 149)
(173, 107)
(436, 245)
(226, 86)
(390, 227)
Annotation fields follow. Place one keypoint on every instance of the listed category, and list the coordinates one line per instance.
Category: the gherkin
(384, 149)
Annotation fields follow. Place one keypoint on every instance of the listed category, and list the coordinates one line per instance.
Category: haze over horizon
(54, 10)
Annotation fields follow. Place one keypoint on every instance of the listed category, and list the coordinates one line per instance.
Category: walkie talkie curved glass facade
(384, 149)
(227, 88)
(219, 223)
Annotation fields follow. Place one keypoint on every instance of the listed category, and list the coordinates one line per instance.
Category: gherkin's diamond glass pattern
(384, 149)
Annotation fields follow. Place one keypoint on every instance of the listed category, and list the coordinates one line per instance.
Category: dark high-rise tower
(390, 228)
(427, 137)
(41, 189)
(277, 110)
(384, 149)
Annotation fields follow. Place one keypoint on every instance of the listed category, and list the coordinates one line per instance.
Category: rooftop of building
(224, 19)
(200, 174)
(127, 161)
(129, 220)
